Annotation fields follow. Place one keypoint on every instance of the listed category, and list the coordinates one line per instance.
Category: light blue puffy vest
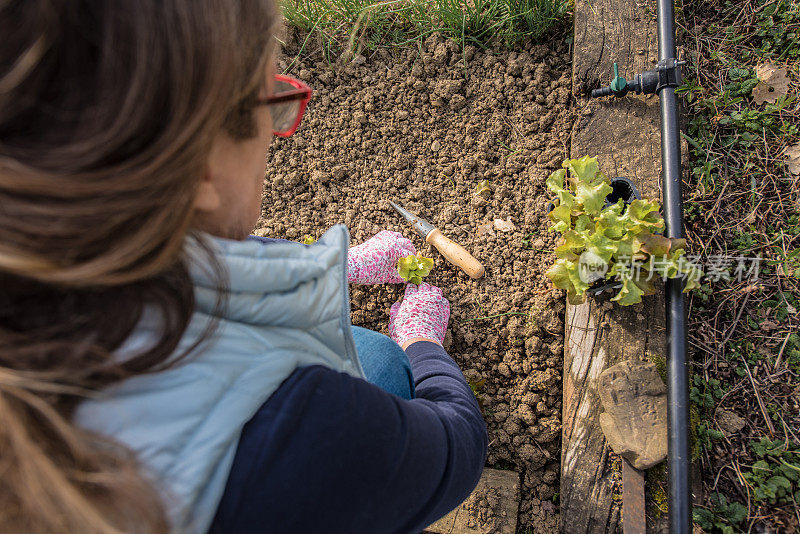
(288, 307)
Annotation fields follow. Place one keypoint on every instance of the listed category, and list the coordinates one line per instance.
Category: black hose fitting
(666, 74)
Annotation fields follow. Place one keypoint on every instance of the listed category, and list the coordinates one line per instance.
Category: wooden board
(624, 135)
(597, 338)
(633, 514)
(491, 508)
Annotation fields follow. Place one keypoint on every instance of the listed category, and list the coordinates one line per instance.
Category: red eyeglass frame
(301, 92)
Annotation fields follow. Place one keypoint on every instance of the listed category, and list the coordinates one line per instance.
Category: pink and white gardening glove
(375, 260)
(423, 312)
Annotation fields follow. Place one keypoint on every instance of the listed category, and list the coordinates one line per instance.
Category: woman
(158, 371)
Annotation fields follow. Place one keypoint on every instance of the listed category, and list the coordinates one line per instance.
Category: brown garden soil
(422, 126)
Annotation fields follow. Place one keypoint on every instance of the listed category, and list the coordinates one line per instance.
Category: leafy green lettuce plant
(618, 242)
(414, 268)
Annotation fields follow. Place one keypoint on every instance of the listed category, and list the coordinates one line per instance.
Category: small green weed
(775, 476)
(778, 30)
(529, 237)
(477, 386)
(692, 211)
(704, 395)
(790, 262)
(744, 241)
(704, 292)
(706, 435)
(723, 516)
(783, 305)
(792, 352)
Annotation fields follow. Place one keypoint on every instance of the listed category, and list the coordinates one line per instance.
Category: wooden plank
(624, 135)
(491, 508)
(622, 132)
(633, 512)
(597, 338)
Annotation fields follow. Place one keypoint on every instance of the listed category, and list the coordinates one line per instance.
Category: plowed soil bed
(422, 126)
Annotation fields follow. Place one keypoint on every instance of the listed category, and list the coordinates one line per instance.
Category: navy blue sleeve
(335, 454)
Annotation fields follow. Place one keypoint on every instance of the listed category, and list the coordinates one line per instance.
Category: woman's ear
(207, 198)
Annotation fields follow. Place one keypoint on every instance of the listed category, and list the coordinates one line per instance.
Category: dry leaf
(772, 84)
(504, 226)
(485, 229)
(792, 154)
(768, 325)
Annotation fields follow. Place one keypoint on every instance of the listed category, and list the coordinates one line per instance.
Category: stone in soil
(729, 422)
(634, 422)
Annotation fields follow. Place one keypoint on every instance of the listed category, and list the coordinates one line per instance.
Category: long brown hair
(107, 114)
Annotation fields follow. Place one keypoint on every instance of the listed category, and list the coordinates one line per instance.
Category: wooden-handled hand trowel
(452, 251)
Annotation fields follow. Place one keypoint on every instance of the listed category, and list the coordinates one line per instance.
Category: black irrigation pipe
(663, 80)
(680, 507)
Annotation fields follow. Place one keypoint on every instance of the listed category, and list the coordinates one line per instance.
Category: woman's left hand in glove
(375, 260)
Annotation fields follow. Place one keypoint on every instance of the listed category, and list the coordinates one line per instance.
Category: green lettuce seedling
(414, 268)
(598, 242)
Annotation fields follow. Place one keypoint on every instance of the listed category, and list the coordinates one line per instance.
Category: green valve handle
(618, 84)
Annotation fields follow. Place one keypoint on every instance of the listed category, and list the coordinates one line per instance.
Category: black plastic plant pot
(622, 188)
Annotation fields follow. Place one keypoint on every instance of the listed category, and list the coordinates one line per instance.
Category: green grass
(535, 18)
(361, 26)
(478, 22)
